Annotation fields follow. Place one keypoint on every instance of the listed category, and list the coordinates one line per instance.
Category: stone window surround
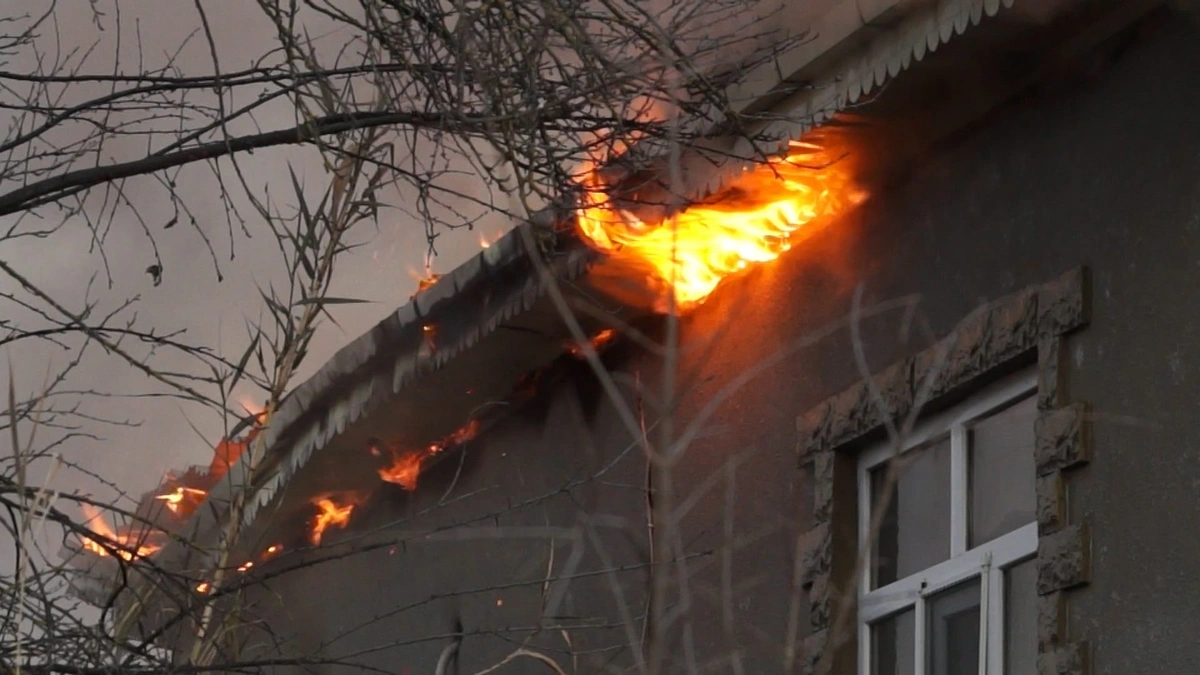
(1029, 326)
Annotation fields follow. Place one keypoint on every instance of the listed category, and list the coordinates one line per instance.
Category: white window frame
(987, 561)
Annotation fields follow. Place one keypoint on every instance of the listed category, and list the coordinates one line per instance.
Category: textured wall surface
(1105, 173)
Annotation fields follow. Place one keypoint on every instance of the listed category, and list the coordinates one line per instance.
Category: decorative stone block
(1071, 659)
(851, 414)
(816, 554)
(820, 602)
(813, 652)
(822, 482)
(1051, 503)
(1064, 304)
(1063, 438)
(964, 351)
(1052, 620)
(1012, 327)
(809, 427)
(1064, 559)
(1052, 386)
(894, 387)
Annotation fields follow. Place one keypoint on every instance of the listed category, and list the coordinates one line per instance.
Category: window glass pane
(893, 642)
(1002, 472)
(1020, 619)
(954, 630)
(915, 532)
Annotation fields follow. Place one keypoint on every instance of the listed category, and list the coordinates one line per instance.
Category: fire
(404, 470)
(175, 500)
(203, 588)
(125, 546)
(424, 280)
(599, 341)
(330, 513)
(750, 222)
(406, 466)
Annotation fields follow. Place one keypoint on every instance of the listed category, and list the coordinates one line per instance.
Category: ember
(331, 513)
(599, 341)
(406, 466)
(751, 221)
(126, 545)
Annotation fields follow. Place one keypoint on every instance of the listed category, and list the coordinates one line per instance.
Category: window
(950, 587)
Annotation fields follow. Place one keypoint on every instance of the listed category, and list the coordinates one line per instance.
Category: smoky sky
(107, 265)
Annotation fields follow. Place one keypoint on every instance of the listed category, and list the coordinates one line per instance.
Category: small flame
(203, 588)
(175, 500)
(424, 280)
(330, 513)
(751, 221)
(406, 466)
(244, 567)
(599, 341)
(272, 550)
(113, 542)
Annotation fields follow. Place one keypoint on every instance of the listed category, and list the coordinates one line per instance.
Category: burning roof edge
(467, 304)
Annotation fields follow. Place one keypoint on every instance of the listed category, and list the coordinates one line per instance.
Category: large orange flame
(753, 220)
(126, 546)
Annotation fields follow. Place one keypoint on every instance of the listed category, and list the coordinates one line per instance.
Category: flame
(404, 470)
(406, 466)
(751, 221)
(175, 500)
(598, 341)
(203, 588)
(330, 513)
(125, 545)
(424, 280)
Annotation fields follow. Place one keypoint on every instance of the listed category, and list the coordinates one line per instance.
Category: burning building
(925, 408)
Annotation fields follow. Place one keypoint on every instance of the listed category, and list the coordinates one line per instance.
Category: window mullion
(995, 620)
(920, 624)
(958, 490)
(985, 611)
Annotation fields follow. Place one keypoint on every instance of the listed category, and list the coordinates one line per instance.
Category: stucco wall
(1106, 173)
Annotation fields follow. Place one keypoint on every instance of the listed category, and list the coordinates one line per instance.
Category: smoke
(211, 265)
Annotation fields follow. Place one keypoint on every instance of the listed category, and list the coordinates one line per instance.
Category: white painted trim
(960, 493)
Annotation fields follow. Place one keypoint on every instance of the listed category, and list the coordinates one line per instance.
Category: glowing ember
(751, 221)
(125, 546)
(599, 341)
(272, 550)
(203, 588)
(176, 500)
(406, 466)
(245, 566)
(330, 513)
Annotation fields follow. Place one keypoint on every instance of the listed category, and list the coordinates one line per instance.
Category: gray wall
(1105, 174)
